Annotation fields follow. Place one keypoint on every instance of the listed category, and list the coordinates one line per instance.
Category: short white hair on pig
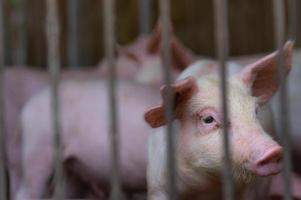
(199, 149)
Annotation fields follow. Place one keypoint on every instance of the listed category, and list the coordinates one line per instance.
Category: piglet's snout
(270, 162)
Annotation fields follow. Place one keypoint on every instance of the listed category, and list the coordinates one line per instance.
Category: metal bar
(52, 30)
(279, 24)
(292, 19)
(73, 33)
(109, 41)
(144, 16)
(7, 34)
(3, 178)
(222, 50)
(170, 132)
(21, 53)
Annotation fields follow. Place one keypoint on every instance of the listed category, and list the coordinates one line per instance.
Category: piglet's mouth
(268, 170)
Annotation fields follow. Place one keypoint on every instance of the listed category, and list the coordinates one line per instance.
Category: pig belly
(85, 130)
(94, 158)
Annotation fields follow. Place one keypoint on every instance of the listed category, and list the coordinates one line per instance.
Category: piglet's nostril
(272, 156)
(269, 163)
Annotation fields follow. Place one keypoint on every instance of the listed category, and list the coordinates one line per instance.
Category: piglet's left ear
(182, 91)
(262, 76)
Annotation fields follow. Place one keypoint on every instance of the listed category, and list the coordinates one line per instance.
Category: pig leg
(14, 180)
(14, 173)
(89, 188)
(14, 162)
(37, 168)
(97, 193)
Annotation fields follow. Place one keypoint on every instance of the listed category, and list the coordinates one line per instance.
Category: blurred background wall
(251, 27)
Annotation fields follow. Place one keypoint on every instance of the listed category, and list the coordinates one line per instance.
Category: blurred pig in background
(139, 62)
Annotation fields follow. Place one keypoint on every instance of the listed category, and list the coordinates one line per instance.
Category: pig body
(139, 61)
(85, 124)
(19, 85)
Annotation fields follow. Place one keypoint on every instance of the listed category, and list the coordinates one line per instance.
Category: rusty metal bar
(73, 33)
(279, 24)
(109, 41)
(21, 50)
(52, 31)
(3, 178)
(170, 132)
(144, 15)
(222, 50)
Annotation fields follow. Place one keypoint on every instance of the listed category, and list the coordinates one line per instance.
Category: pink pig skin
(84, 140)
(199, 148)
(19, 85)
(137, 61)
(294, 91)
(85, 125)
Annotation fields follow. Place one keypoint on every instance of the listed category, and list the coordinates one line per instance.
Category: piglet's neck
(212, 190)
(203, 185)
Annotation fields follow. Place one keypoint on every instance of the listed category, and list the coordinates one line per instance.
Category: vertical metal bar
(52, 30)
(292, 19)
(21, 35)
(171, 164)
(73, 33)
(279, 24)
(3, 186)
(7, 34)
(144, 15)
(109, 41)
(222, 48)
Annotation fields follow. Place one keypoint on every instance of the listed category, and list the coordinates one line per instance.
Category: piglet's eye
(208, 119)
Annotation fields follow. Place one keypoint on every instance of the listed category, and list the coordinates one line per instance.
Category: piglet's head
(141, 60)
(197, 107)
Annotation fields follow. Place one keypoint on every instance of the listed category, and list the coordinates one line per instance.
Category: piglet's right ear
(262, 76)
(182, 91)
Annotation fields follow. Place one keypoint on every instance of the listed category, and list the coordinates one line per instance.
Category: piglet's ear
(182, 91)
(262, 76)
(181, 55)
(154, 42)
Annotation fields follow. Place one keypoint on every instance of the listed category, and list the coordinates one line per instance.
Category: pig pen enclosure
(78, 34)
